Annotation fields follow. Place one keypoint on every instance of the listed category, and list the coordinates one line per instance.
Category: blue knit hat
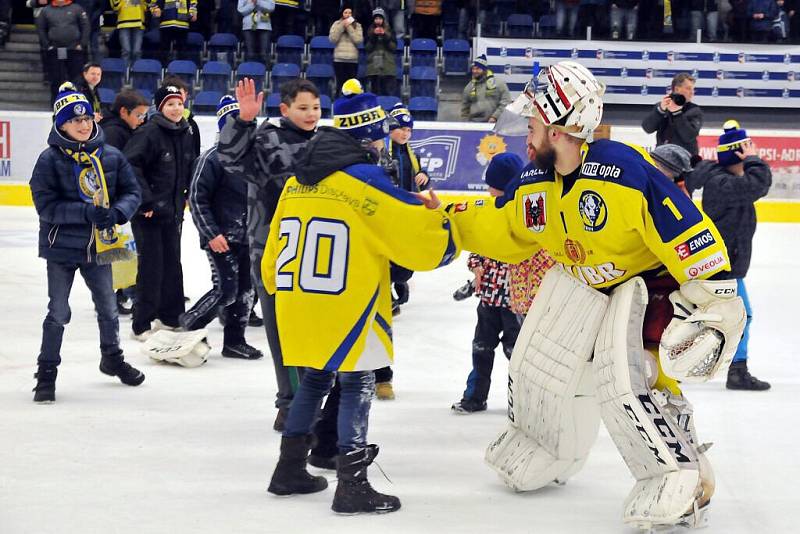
(402, 117)
(481, 62)
(730, 143)
(359, 114)
(70, 104)
(228, 106)
(503, 168)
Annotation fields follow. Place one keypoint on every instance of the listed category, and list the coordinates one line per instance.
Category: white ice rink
(192, 450)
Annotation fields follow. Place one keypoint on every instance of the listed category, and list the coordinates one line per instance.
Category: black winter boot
(290, 474)
(740, 378)
(115, 365)
(354, 494)
(45, 389)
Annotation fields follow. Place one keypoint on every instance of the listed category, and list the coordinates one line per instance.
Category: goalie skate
(187, 349)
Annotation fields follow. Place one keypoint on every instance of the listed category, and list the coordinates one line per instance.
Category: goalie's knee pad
(552, 410)
(187, 349)
(661, 454)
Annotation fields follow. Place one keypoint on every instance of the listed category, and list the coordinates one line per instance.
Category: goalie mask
(566, 96)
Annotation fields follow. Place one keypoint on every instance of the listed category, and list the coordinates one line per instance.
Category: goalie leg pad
(659, 454)
(553, 415)
(187, 349)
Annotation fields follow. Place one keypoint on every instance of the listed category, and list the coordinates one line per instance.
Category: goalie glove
(707, 325)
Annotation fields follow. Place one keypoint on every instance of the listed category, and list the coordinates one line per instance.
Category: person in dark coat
(87, 82)
(380, 45)
(161, 153)
(218, 204)
(676, 120)
(63, 29)
(82, 188)
(730, 188)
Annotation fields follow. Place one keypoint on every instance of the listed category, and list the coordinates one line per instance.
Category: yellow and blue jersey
(617, 217)
(327, 261)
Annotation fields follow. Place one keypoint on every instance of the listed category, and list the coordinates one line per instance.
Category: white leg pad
(553, 414)
(187, 349)
(657, 451)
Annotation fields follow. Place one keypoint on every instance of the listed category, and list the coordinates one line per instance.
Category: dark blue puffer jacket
(65, 234)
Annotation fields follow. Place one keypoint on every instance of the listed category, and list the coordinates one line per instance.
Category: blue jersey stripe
(341, 353)
(376, 177)
(383, 324)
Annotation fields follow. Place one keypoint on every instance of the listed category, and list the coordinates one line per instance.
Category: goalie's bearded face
(539, 145)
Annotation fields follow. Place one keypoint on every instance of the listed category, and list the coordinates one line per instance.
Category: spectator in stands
(257, 28)
(174, 25)
(567, 17)
(701, 11)
(130, 27)
(426, 18)
(87, 84)
(484, 97)
(780, 26)
(380, 46)
(284, 17)
(794, 20)
(594, 13)
(346, 34)
(761, 14)
(739, 21)
(395, 15)
(731, 186)
(161, 154)
(204, 24)
(624, 15)
(94, 10)
(63, 29)
(676, 119)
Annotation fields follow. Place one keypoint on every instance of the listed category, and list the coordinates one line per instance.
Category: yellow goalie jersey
(327, 261)
(617, 217)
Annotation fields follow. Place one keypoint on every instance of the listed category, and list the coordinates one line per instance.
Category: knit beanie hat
(503, 168)
(359, 114)
(481, 62)
(730, 142)
(165, 93)
(228, 106)
(402, 117)
(675, 158)
(379, 12)
(70, 104)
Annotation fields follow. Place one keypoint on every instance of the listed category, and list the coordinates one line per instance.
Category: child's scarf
(110, 243)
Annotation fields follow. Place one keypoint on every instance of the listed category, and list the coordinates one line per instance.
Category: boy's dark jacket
(65, 233)
(217, 201)
(116, 130)
(161, 153)
(728, 200)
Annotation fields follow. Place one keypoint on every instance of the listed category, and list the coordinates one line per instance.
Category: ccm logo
(706, 265)
(725, 291)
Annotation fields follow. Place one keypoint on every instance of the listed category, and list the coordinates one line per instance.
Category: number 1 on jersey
(325, 254)
(669, 204)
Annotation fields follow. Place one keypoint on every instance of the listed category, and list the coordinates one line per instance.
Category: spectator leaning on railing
(676, 119)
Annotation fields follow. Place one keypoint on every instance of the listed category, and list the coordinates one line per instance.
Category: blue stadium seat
(106, 96)
(492, 26)
(423, 81)
(185, 70)
(423, 108)
(325, 106)
(456, 57)
(322, 76)
(193, 49)
(215, 76)
(146, 94)
(223, 47)
(252, 69)
(145, 75)
(547, 26)
(205, 103)
(399, 55)
(290, 49)
(423, 53)
(519, 25)
(450, 23)
(388, 102)
(283, 72)
(362, 62)
(114, 73)
(321, 50)
(273, 105)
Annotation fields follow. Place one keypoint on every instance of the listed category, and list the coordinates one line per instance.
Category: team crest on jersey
(575, 251)
(593, 210)
(534, 210)
(369, 206)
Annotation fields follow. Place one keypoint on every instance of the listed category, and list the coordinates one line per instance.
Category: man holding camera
(676, 119)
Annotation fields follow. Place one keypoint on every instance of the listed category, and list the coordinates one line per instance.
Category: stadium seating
(106, 96)
(146, 75)
(399, 57)
(547, 26)
(388, 102)
(283, 72)
(205, 103)
(422, 53)
(185, 70)
(193, 49)
(519, 25)
(223, 47)
(321, 50)
(273, 105)
(290, 49)
(322, 76)
(325, 105)
(456, 57)
(114, 73)
(252, 69)
(151, 44)
(215, 76)
(423, 81)
(423, 108)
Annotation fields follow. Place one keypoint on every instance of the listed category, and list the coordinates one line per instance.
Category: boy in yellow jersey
(338, 224)
(606, 214)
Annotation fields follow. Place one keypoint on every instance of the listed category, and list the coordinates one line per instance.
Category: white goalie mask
(567, 96)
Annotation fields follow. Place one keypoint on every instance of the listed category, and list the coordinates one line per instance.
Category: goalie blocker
(553, 400)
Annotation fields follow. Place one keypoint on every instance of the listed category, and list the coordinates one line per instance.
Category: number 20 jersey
(620, 217)
(327, 261)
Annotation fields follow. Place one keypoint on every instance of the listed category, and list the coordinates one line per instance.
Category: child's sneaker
(468, 406)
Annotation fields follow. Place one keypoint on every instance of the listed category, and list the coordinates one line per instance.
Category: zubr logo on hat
(593, 210)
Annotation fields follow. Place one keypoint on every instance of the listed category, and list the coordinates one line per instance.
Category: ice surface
(192, 450)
